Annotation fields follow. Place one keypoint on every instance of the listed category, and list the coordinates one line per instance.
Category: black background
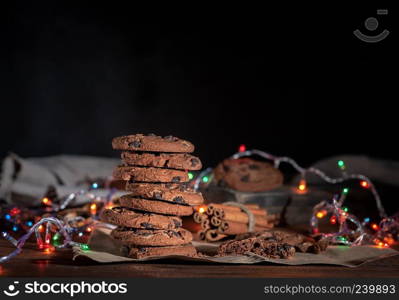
(288, 80)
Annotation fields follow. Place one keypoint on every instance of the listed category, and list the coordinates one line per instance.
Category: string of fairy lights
(350, 231)
(52, 232)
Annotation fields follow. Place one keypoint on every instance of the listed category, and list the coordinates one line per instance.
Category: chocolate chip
(176, 179)
(254, 167)
(169, 185)
(172, 233)
(143, 233)
(146, 225)
(158, 195)
(177, 223)
(170, 138)
(179, 199)
(245, 178)
(117, 209)
(183, 187)
(135, 144)
(226, 168)
(194, 162)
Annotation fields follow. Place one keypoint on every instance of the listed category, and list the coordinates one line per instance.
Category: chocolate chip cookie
(247, 175)
(171, 192)
(126, 217)
(144, 174)
(155, 206)
(143, 252)
(182, 161)
(263, 247)
(144, 237)
(152, 143)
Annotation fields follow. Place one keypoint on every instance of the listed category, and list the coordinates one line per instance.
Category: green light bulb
(205, 179)
(341, 164)
(84, 247)
(345, 191)
(190, 175)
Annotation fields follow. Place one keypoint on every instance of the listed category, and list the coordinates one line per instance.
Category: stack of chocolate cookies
(155, 172)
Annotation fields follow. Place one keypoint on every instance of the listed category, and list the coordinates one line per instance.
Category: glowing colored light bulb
(341, 164)
(374, 226)
(319, 214)
(202, 209)
(15, 228)
(242, 148)
(366, 220)
(84, 247)
(364, 184)
(333, 220)
(302, 186)
(8, 217)
(56, 237)
(94, 185)
(345, 209)
(46, 201)
(15, 211)
(205, 179)
(29, 223)
(345, 191)
(190, 175)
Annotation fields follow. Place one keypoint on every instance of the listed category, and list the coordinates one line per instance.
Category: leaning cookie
(181, 161)
(143, 174)
(247, 175)
(155, 206)
(143, 252)
(152, 143)
(144, 237)
(125, 217)
(171, 192)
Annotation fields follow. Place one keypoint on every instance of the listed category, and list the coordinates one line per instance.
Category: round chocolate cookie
(155, 206)
(143, 252)
(144, 237)
(181, 161)
(143, 174)
(247, 175)
(125, 217)
(171, 192)
(152, 143)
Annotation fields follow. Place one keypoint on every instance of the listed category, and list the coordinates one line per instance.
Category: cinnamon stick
(218, 212)
(201, 235)
(209, 211)
(212, 235)
(198, 217)
(215, 221)
(255, 211)
(232, 228)
(241, 217)
(205, 223)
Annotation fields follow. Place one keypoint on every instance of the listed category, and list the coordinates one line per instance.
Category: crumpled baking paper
(104, 249)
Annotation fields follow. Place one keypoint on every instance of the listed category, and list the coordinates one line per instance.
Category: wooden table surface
(33, 263)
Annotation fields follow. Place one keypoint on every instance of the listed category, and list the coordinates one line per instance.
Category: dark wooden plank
(38, 264)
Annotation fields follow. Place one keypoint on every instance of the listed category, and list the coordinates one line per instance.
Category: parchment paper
(105, 250)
